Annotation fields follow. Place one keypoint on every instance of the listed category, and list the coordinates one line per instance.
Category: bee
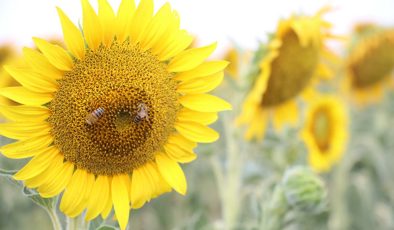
(93, 117)
(142, 113)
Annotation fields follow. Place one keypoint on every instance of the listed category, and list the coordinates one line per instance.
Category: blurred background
(225, 21)
(236, 184)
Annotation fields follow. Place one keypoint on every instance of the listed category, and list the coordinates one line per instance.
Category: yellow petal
(154, 181)
(72, 194)
(21, 130)
(92, 30)
(170, 33)
(120, 199)
(55, 54)
(141, 18)
(107, 18)
(201, 85)
(196, 132)
(40, 64)
(172, 173)
(204, 103)
(156, 27)
(181, 141)
(190, 58)
(199, 117)
(108, 205)
(180, 42)
(125, 15)
(80, 204)
(25, 113)
(203, 70)
(98, 197)
(72, 35)
(25, 96)
(44, 176)
(58, 182)
(38, 164)
(140, 190)
(157, 182)
(27, 147)
(179, 154)
(32, 80)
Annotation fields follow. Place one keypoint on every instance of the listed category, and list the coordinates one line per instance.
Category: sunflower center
(291, 70)
(114, 110)
(376, 63)
(321, 129)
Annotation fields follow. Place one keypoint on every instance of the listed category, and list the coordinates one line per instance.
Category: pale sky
(244, 22)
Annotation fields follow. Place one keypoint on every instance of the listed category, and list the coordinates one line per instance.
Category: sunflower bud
(304, 190)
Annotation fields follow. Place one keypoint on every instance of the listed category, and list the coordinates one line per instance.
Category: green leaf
(48, 203)
(4, 172)
(8, 175)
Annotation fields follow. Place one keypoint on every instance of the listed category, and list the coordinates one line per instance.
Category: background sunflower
(288, 66)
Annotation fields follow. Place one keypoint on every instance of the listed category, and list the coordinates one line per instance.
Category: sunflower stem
(76, 223)
(229, 176)
(54, 219)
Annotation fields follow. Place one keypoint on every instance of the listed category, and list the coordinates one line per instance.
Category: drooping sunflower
(370, 63)
(287, 69)
(325, 132)
(108, 120)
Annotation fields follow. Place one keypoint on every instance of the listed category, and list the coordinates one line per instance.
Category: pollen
(118, 79)
(291, 71)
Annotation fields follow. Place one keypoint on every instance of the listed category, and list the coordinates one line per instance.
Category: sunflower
(325, 132)
(370, 63)
(290, 64)
(108, 120)
(232, 56)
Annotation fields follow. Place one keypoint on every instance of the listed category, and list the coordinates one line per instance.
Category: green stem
(55, 219)
(76, 223)
(229, 176)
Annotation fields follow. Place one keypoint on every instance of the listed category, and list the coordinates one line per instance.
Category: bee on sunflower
(147, 91)
(369, 64)
(288, 66)
(325, 132)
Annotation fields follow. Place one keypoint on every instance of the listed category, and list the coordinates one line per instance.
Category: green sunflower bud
(304, 190)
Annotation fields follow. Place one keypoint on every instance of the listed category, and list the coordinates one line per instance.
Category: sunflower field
(126, 119)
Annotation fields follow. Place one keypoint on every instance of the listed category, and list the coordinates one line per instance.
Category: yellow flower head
(325, 132)
(108, 120)
(286, 71)
(370, 63)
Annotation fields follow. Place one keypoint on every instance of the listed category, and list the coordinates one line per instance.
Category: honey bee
(93, 117)
(142, 113)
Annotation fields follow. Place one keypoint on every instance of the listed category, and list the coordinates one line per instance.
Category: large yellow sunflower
(292, 62)
(370, 63)
(108, 120)
(325, 132)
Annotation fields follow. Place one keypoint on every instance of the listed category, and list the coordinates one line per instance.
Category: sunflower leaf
(47, 203)
(8, 175)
